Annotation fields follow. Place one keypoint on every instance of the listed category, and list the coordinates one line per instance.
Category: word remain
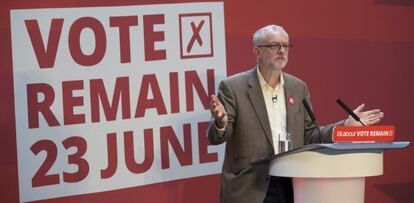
(121, 98)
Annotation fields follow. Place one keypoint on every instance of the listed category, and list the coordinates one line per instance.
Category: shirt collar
(263, 81)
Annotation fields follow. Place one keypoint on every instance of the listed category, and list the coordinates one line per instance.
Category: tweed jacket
(248, 134)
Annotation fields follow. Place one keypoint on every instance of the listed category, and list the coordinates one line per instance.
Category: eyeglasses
(277, 46)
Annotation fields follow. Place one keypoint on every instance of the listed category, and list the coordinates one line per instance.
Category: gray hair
(259, 35)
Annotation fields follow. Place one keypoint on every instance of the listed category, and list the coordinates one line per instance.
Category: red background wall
(358, 50)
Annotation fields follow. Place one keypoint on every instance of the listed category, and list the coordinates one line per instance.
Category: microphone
(312, 117)
(349, 111)
(274, 99)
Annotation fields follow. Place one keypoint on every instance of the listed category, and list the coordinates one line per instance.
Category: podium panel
(328, 162)
(326, 173)
(328, 190)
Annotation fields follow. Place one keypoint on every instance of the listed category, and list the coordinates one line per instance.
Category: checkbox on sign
(196, 35)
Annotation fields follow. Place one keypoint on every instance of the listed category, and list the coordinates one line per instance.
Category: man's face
(273, 57)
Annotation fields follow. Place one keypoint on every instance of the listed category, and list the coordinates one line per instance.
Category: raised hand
(218, 111)
(369, 117)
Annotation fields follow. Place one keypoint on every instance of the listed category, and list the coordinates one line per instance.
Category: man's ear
(256, 52)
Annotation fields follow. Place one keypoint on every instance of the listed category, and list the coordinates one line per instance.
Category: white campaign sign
(114, 97)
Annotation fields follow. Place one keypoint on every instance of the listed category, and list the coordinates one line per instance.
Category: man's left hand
(370, 117)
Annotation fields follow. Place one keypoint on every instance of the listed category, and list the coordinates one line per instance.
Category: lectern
(326, 173)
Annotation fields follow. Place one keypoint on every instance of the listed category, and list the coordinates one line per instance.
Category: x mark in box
(196, 35)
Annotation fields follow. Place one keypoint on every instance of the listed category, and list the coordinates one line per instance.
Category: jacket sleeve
(312, 134)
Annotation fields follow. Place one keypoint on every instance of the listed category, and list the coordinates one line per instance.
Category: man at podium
(250, 112)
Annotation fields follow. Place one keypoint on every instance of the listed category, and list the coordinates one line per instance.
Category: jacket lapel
(292, 103)
(256, 98)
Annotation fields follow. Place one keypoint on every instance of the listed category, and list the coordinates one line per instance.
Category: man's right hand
(218, 111)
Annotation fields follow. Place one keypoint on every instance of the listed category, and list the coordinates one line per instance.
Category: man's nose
(282, 50)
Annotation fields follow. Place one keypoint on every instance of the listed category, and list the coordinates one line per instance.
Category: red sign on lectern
(363, 133)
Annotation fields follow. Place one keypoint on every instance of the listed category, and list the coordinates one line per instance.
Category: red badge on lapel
(291, 100)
